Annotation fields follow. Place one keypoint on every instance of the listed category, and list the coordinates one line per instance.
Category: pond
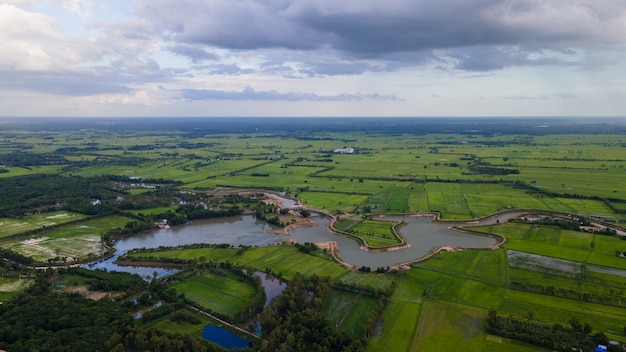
(223, 337)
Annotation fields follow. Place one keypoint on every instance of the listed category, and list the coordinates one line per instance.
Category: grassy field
(332, 201)
(398, 332)
(449, 327)
(376, 233)
(75, 241)
(226, 293)
(153, 211)
(10, 227)
(216, 255)
(282, 260)
(171, 326)
(9, 287)
(348, 311)
(488, 266)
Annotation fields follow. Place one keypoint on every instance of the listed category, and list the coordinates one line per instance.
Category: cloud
(82, 8)
(228, 69)
(195, 54)
(61, 83)
(31, 41)
(557, 96)
(365, 28)
(272, 95)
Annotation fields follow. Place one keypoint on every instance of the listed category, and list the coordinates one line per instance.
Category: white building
(344, 151)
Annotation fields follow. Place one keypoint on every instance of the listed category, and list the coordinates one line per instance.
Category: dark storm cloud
(380, 29)
(272, 95)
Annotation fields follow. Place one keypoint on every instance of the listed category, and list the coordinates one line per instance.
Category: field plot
(418, 201)
(382, 282)
(172, 325)
(398, 202)
(153, 211)
(447, 326)
(587, 207)
(377, 202)
(9, 227)
(215, 255)
(397, 334)
(77, 241)
(489, 266)
(544, 264)
(332, 201)
(449, 200)
(554, 310)
(564, 244)
(346, 224)
(376, 233)
(287, 260)
(349, 311)
(224, 293)
(467, 291)
(11, 286)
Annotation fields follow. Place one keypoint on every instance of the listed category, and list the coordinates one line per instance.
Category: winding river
(422, 233)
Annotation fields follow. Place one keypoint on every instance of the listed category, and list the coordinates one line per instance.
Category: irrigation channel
(421, 232)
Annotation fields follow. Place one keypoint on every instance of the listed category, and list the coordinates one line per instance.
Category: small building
(344, 151)
(296, 207)
(601, 348)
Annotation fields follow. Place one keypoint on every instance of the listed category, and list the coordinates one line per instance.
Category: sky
(313, 58)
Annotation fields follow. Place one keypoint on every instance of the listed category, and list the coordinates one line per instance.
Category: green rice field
(376, 233)
(226, 293)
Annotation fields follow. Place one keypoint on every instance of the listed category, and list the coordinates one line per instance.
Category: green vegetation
(293, 321)
(376, 233)
(10, 227)
(220, 292)
(67, 243)
(68, 191)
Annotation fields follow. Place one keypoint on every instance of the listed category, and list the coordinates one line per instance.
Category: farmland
(547, 274)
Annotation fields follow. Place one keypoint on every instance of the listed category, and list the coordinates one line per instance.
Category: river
(421, 233)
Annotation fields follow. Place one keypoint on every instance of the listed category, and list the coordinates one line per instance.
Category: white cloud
(31, 41)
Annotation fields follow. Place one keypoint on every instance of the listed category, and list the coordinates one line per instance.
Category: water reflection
(421, 233)
(271, 285)
(235, 230)
(223, 337)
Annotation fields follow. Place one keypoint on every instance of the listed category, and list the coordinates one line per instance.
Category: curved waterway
(421, 233)
(235, 230)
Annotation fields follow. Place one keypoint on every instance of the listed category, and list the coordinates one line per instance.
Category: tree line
(557, 337)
